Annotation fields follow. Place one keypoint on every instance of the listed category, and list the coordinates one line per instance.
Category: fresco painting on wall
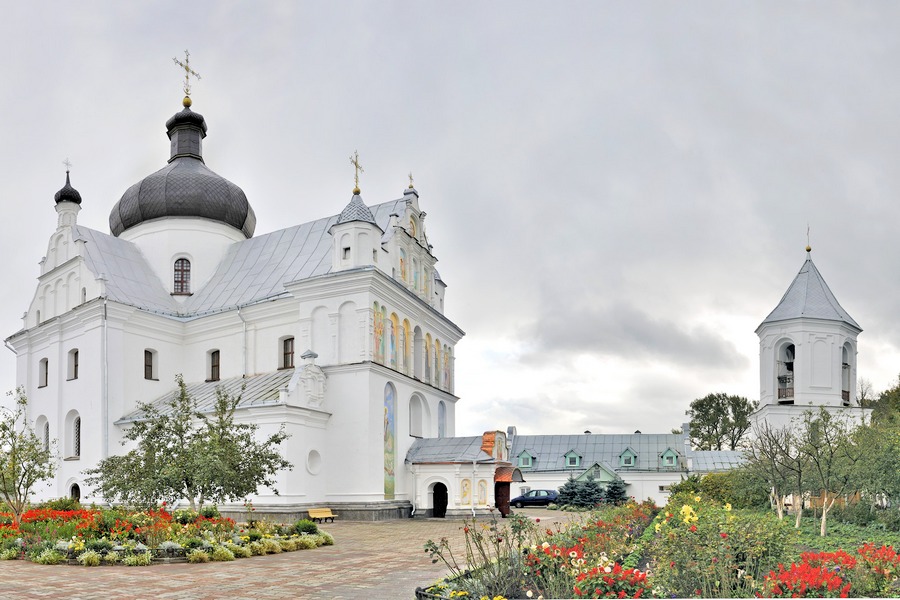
(390, 397)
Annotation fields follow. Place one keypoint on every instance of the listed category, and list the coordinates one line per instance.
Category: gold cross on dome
(188, 71)
(68, 164)
(410, 180)
(354, 160)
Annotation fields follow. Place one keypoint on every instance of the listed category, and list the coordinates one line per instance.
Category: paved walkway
(369, 560)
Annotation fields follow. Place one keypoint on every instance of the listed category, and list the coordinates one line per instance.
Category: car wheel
(519, 505)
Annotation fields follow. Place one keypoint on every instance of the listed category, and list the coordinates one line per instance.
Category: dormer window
(573, 459)
(526, 459)
(182, 277)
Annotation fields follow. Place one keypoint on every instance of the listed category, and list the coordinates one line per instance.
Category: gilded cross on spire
(68, 164)
(188, 71)
(354, 160)
(411, 180)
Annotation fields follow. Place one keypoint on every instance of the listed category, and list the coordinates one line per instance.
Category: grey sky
(618, 193)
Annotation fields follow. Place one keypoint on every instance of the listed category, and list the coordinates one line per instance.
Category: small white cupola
(356, 237)
(807, 350)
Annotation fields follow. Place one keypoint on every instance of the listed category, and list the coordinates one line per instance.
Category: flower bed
(93, 537)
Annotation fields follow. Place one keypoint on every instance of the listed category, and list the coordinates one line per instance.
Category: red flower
(724, 535)
(693, 528)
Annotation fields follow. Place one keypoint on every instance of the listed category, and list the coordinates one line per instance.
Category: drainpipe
(243, 341)
(104, 382)
(472, 491)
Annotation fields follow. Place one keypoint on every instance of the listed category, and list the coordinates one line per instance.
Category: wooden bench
(321, 515)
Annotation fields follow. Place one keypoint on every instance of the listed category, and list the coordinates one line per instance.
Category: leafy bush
(210, 511)
(49, 556)
(306, 526)
(193, 543)
(327, 539)
(199, 556)
(254, 535)
(112, 557)
(98, 544)
(271, 546)
(287, 544)
(222, 554)
(9, 554)
(257, 548)
(141, 559)
(306, 542)
(857, 513)
(64, 503)
(239, 551)
(89, 558)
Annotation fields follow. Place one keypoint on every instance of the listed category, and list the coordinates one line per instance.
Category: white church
(335, 330)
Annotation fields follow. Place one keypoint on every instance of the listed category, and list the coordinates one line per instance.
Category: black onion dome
(185, 187)
(67, 193)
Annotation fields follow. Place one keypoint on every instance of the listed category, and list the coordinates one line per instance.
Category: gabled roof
(708, 461)
(448, 450)
(252, 270)
(258, 390)
(549, 450)
(809, 296)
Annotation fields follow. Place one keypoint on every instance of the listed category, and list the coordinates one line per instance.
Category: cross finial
(188, 71)
(354, 160)
(68, 164)
(410, 180)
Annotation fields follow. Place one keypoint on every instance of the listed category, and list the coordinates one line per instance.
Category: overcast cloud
(618, 192)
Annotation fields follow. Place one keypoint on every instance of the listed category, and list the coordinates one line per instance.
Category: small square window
(573, 461)
(628, 461)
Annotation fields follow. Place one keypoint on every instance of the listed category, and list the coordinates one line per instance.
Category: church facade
(332, 329)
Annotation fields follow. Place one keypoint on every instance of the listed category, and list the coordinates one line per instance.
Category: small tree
(182, 453)
(25, 459)
(568, 493)
(590, 493)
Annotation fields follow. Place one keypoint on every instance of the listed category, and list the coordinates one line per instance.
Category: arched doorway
(439, 501)
(75, 492)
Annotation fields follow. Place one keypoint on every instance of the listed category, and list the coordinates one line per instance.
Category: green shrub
(89, 558)
(198, 556)
(49, 557)
(306, 526)
(193, 543)
(327, 539)
(35, 550)
(306, 542)
(185, 516)
(9, 554)
(98, 544)
(257, 548)
(112, 558)
(271, 546)
(222, 554)
(287, 544)
(858, 513)
(254, 535)
(889, 518)
(239, 551)
(141, 559)
(210, 512)
(65, 503)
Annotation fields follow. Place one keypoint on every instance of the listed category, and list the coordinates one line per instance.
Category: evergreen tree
(615, 491)
(590, 493)
(568, 493)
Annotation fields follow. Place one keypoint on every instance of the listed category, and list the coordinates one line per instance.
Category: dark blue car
(535, 498)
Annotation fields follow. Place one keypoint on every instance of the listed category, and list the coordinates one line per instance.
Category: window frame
(43, 373)
(215, 365)
(181, 285)
(72, 367)
(287, 355)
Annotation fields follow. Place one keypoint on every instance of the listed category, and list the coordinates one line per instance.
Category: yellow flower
(728, 506)
(696, 498)
(657, 527)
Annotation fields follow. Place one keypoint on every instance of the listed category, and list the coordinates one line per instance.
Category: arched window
(46, 439)
(43, 372)
(42, 430)
(182, 276)
(150, 365)
(287, 353)
(75, 492)
(785, 373)
(83, 295)
(76, 437)
(416, 417)
(72, 367)
(442, 419)
(72, 435)
(846, 373)
(213, 364)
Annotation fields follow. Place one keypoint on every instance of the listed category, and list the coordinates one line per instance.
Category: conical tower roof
(809, 296)
(356, 210)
